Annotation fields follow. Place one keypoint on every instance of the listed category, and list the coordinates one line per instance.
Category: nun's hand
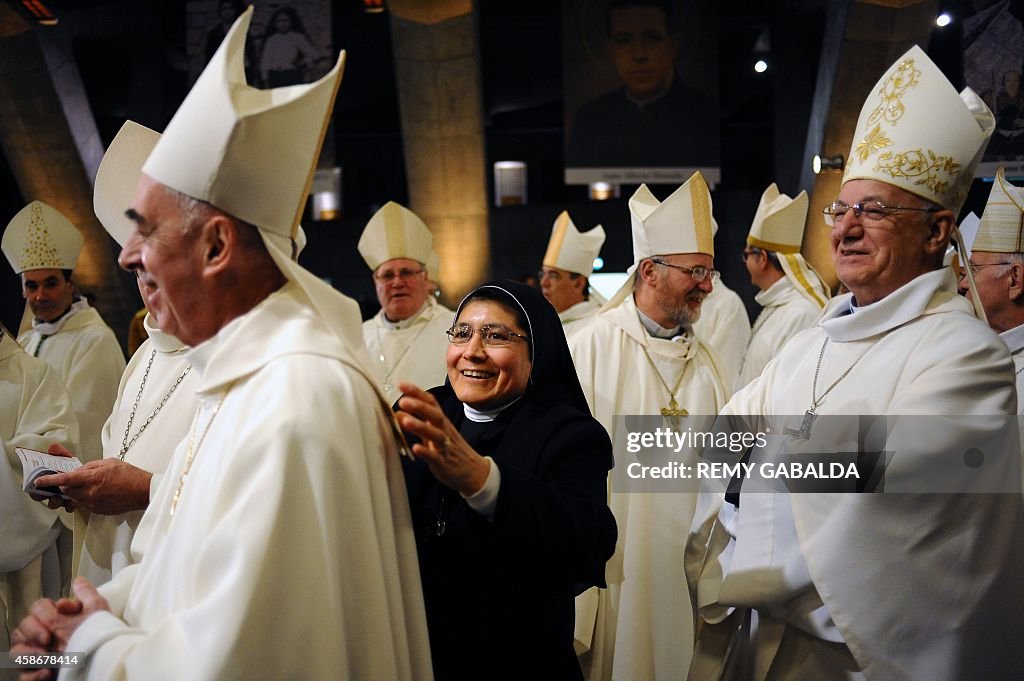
(450, 458)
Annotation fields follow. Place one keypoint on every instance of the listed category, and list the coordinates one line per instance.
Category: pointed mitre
(779, 222)
(572, 250)
(251, 153)
(394, 231)
(39, 237)
(118, 177)
(682, 223)
(1002, 224)
(778, 226)
(916, 133)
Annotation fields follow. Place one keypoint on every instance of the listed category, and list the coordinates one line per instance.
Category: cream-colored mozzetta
(39, 237)
(572, 250)
(682, 223)
(394, 231)
(901, 141)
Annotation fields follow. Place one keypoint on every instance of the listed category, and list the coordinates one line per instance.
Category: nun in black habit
(507, 492)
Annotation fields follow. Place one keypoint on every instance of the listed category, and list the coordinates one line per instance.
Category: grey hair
(192, 209)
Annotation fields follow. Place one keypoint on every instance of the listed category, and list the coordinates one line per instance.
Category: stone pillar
(437, 67)
(49, 138)
(875, 34)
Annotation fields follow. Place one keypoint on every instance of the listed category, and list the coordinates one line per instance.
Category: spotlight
(760, 66)
(943, 20)
(820, 164)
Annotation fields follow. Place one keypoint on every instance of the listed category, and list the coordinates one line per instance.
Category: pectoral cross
(672, 412)
(805, 427)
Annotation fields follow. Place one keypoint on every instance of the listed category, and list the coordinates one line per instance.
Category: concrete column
(875, 33)
(49, 138)
(437, 66)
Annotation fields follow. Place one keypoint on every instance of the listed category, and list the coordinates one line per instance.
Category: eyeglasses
(975, 268)
(390, 275)
(490, 335)
(699, 273)
(871, 211)
(747, 254)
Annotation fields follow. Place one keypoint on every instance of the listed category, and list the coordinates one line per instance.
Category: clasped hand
(50, 625)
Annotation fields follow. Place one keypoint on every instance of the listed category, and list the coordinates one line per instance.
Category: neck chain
(194, 446)
(761, 319)
(125, 443)
(387, 387)
(672, 412)
(804, 433)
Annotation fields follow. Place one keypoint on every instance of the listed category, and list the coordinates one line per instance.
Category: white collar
(50, 328)
(405, 323)
(485, 415)
(1014, 339)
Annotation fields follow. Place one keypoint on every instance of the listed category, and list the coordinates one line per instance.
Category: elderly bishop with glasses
(906, 583)
(640, 356)
(406, 338)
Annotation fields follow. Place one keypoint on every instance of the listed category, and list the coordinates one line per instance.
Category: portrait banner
(290, 42)
(993, 63)
(641, 91)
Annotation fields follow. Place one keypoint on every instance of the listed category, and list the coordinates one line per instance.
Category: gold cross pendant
(672, 412)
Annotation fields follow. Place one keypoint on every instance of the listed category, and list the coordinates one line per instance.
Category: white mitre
(1002, 224)
(394, 231)
(251, 153)
(39, 237)
(682, 223)
(916, 133)
(572, 250)
(778, 226)
(118, 177)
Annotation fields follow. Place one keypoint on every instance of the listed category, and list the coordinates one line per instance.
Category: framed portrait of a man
(641, 92)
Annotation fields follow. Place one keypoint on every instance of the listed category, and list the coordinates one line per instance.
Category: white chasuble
(148, 434)
(944, 570)
(289, 553)
(642, 626)
(725, 328)
(35, 411)
(412, 350)
(785, 312)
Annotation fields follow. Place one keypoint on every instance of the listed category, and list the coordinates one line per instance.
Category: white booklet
(37, 464)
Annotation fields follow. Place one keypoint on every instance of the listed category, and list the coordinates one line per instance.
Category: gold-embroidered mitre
(39, 237)
(916, 133)
(1002, 224)
(394, 231)
(572, 250)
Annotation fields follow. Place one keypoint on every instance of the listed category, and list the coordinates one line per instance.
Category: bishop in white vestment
(904, 580)
(278, 544)
(791, 294)
(406, 339)
(632, 362)
(35, 412)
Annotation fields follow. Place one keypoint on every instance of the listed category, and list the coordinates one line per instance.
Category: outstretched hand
(450, 458)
